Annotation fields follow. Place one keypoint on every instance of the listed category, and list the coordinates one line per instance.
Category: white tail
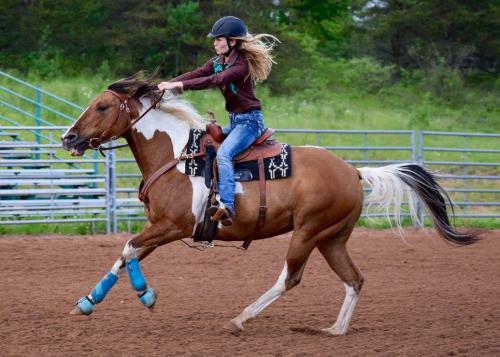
(391, 184)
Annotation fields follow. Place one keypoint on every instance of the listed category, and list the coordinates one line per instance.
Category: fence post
(414, 152)
(38, 116)
(465, 171)
(112, 156)
(420, 161)
(365, 143)
(107, 185)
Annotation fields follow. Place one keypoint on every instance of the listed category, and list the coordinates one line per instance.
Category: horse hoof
(148, 298)
(83, 307)
(233, 327)
(76, 311)
(333, 331)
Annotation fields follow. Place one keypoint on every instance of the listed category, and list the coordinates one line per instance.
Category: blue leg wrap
(134, 272)
(85, 305)
(148, 298)
(103, 287)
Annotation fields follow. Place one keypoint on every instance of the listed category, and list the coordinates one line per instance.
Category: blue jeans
(243, 130)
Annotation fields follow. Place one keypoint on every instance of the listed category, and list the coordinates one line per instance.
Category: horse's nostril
(70, 137)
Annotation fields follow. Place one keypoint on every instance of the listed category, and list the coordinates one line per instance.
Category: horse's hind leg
(298, 253)
(335, 253)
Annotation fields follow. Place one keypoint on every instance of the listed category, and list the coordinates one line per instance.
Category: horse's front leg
(135, 249)
(85, 305)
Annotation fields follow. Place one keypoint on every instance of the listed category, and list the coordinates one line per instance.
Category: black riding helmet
(228, 26)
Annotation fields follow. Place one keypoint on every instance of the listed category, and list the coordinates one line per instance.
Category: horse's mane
(143, 85)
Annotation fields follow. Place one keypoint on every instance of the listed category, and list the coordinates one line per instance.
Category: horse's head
(108, 116)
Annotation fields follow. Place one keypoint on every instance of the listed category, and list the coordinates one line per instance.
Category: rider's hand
(173, 86)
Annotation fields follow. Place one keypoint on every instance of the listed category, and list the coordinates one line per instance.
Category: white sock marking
(265, 300)
(129, 252)
(116, 267)
(342, 324)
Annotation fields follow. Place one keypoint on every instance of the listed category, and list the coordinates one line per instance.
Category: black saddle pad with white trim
(276, 167)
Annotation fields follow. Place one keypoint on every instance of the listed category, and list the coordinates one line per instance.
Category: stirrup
(220, 214)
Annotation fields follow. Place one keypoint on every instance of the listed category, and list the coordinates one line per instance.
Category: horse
(320, 203)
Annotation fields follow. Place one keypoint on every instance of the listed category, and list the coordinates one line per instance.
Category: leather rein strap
(123, 106)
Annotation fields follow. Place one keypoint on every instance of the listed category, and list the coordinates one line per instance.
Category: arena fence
(41, 183)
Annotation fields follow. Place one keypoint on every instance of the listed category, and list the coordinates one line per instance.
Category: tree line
(122, 37)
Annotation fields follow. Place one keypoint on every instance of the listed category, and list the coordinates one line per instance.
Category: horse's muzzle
(74, 144)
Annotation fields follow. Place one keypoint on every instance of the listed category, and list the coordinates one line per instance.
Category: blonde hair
(257, 50)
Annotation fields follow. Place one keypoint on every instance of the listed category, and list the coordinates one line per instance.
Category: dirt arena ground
(421, 298)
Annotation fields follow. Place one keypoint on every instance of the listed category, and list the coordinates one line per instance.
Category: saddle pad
(276, 167)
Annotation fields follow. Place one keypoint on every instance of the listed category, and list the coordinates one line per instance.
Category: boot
(224, 214)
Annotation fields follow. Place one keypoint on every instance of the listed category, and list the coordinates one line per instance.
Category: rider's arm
(232, 74)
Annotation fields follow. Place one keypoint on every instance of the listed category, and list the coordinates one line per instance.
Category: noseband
(96, 143)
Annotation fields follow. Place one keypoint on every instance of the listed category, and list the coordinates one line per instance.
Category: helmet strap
(230, 48)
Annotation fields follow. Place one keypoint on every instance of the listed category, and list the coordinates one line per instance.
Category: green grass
(396, 107)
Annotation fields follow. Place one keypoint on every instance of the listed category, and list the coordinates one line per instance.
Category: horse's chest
(183, 200)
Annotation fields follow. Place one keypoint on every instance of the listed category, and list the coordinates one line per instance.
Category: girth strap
(261, 219)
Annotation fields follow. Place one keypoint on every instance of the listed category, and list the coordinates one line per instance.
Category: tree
(461, 34)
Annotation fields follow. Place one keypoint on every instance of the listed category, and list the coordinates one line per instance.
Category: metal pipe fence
(56, 188)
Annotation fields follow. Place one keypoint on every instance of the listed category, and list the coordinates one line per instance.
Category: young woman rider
(242, 60)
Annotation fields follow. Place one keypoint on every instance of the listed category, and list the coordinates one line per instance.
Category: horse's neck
(156, 140)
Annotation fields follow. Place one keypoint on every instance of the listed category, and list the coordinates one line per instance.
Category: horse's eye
(102, 108)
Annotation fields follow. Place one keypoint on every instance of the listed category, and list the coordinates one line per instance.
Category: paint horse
(320, 203)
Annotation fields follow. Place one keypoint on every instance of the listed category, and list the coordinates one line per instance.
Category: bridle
(97, 142)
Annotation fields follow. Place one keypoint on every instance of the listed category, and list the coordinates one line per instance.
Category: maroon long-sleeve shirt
(236, 72)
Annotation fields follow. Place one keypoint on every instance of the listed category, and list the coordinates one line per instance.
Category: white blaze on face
(177, 130)
(67, 131)
(71, 127)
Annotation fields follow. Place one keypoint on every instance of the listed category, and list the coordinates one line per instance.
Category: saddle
(262, 147)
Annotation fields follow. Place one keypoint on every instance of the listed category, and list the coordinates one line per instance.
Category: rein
(123, 106)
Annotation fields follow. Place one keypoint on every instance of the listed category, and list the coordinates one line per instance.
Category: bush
(364, 75)
(442, 82)
(317, 76)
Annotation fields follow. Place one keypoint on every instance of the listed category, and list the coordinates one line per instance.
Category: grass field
(396, 107)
